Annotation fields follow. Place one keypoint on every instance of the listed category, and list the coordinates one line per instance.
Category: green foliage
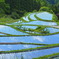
(7, 1)
(16, 9)
(40, 28)
(43, 3)
(28, 5)
(14, 15)
(7, 9)
(22, 6)
(54, 5)
(2, 5)
(46, 9)
(1, 11)
(43, 30)
(2, 0)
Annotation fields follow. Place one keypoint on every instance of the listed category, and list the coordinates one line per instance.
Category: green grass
(16, 43)
(8, 20)
(34, 31)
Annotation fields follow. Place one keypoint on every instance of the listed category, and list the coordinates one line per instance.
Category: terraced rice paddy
(32, 37)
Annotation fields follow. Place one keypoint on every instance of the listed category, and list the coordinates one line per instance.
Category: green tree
(46, 9)
(28, 5)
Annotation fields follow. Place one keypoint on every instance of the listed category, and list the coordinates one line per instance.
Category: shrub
(14, 15)
(46, 9)
(7, 9)
(1, 12)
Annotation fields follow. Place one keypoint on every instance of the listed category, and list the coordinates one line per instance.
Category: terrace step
(32, 17)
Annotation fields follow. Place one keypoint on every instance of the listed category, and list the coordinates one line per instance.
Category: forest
(16, 9)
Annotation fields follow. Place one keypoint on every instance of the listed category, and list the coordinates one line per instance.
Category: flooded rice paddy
(27, 37)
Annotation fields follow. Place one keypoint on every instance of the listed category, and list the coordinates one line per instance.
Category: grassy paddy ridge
(31, 49)
(31, 30)
(16, 43)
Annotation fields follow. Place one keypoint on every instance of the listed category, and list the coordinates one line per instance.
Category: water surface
(45, 15)
(9, 30)
(41, 23)
(32, 16)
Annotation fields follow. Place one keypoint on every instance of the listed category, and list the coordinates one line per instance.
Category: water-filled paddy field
(32, 37)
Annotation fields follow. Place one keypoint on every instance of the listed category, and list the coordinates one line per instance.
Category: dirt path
(55, 26)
